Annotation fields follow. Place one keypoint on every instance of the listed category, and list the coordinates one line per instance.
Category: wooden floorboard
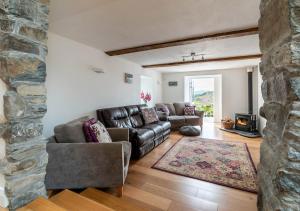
(116, 203)
(154, 200)
(41, 204)
(75, 202)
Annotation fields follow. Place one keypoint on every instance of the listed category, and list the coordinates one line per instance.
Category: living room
(149, 105)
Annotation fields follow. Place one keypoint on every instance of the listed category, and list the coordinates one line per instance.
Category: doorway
(205, 92)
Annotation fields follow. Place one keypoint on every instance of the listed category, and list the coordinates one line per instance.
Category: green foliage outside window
(204, 102)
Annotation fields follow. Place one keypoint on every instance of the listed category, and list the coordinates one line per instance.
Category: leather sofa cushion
(179, 108)
(116, 117)
(71, 132)
(134, 116)
(165, 125)
(192, 120)
(142, 136)
(156, 128)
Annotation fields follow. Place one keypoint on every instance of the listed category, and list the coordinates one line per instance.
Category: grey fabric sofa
(75, 164)
(177, 117)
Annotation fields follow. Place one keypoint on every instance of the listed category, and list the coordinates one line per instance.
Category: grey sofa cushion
(192, 120)
(163, 108)
(71, 132)
(176, 121)
(179, 108)
(171, 109)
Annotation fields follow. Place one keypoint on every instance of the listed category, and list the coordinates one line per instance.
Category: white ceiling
(114, 24)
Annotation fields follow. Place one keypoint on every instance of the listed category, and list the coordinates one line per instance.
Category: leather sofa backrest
(135, 117)
(115, 117)
(179, 108)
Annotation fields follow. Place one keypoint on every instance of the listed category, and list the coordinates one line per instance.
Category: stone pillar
(279, 169)
(23, 48)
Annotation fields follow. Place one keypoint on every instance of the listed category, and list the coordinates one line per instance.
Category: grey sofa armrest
(118, 134)
(201, 115)
(82, 165)
(162, 116)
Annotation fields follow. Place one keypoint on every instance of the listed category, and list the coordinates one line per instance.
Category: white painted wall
(260, 102)
(234, 89)
(74, 90)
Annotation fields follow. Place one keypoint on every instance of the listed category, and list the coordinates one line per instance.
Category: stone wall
(279, 170)
(23, 36)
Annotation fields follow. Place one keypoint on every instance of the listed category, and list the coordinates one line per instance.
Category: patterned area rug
(220, 162)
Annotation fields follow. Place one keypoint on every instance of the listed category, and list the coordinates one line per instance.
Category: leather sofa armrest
(118, 134)
(81, 165)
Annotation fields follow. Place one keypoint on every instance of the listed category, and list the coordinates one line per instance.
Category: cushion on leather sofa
(116, 117)
(135, 116)
(141, 136)
(71, 132)
(179, 108)
(192, 120)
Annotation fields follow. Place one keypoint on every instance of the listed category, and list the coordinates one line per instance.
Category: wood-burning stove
(245, 122)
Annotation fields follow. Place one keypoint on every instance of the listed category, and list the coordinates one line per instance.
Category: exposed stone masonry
(279, 170)
(23, 48)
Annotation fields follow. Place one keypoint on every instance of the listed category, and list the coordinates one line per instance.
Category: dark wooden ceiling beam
(191, 40)
(223, 59)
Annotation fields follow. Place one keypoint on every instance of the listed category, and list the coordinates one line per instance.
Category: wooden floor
(157, 190)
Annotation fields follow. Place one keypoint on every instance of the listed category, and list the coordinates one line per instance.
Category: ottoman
(189, 131)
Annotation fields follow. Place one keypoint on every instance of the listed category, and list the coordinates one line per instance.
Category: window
(205, 93)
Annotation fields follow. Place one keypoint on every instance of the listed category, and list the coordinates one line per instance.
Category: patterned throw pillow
(149, 115)
(189, 111)
(96, 132)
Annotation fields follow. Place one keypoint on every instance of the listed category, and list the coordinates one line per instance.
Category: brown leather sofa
(143, 138)
(177, 117)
